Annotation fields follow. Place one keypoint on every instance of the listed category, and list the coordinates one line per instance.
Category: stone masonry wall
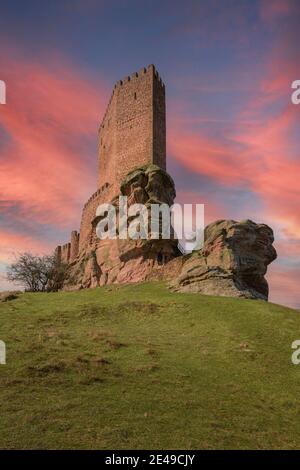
(65, 253)
(159, 123)
(133, 131)
(101, 196)
(74, 245)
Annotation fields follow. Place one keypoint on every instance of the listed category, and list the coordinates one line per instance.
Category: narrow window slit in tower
(160, 258)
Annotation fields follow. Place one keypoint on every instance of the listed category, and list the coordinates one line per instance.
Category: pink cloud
(284, 285)
(257, 151)
(14, 243)
(51, 109)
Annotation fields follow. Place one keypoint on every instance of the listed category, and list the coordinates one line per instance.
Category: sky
(232, 130)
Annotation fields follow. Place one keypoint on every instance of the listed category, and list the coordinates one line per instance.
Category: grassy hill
(140, 367)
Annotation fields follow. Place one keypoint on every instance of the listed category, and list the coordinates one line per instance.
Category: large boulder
(9, 295)
(148, 184)
(232, 262)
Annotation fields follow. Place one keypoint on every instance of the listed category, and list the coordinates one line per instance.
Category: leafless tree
(36, 273)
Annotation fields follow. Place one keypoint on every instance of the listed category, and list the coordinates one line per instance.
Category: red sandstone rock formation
(232, 262)
(108, 261)
(235, 255)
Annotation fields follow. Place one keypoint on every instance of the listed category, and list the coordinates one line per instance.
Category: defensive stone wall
(101, 196)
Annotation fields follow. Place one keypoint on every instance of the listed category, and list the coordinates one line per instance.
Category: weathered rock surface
(10, 295)
(149, 184)
(232, 262)
(109, 261)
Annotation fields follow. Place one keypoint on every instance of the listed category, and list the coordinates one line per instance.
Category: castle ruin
(132, 163)
(132, 134)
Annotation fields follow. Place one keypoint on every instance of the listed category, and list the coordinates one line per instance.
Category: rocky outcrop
(119, 261)
(232, 262)
(148, 184)
(10, 295)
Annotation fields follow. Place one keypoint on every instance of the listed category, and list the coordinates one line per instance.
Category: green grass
(136, 367)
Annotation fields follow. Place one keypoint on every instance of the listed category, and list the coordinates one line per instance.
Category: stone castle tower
(132, 134)
(133, 130)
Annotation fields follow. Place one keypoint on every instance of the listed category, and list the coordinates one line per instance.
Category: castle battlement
(133, 78)
(97, 193)
(137, 75)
